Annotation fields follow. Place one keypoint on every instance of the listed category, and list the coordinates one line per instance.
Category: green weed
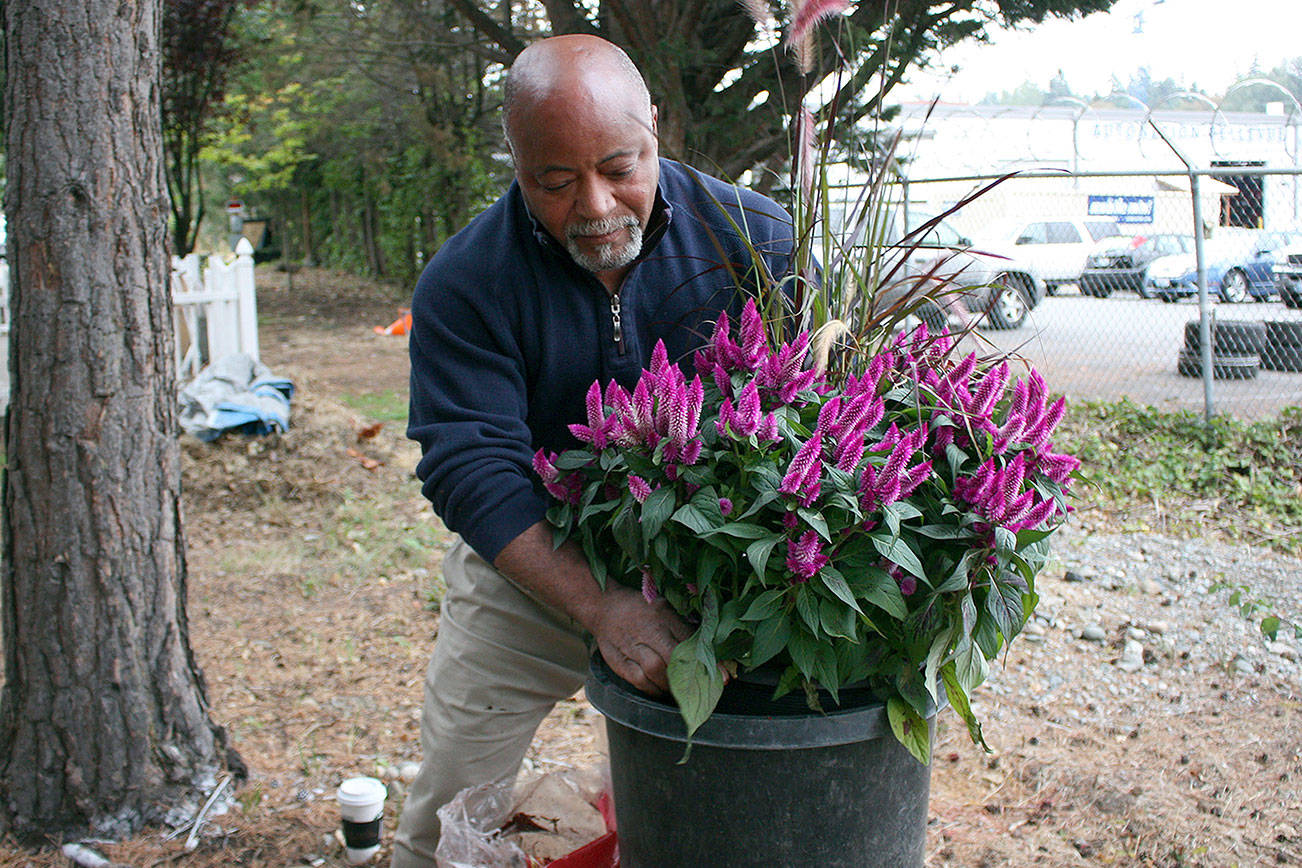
(386, 406)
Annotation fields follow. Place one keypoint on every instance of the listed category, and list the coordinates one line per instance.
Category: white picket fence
(215, 312)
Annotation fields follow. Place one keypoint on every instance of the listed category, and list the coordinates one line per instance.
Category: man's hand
(636, 637)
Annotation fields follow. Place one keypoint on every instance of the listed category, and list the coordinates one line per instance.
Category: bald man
(598, 250)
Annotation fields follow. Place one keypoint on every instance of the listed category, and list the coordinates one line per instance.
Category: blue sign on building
(1123, 209)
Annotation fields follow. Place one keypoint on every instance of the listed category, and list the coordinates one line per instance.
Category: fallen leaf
(369, 431)
(366, 461)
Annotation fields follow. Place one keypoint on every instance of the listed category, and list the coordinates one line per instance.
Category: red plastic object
(601, 853)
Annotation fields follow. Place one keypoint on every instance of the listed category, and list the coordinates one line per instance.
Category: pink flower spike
(596, 414)
(639, 488)
(988, 391)
(768, 429)
(849, 451)
(725, 506)
(659, 360)
(650, 592)
(806, 460)
(913, 477)
(908, 585)
(806, 14)
(643, 420)
(544, 465)
(748, 410)
(753, 345)
(828, 415)
(1058, 467)
(805, 556)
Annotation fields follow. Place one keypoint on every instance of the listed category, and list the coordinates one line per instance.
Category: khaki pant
(501, 662)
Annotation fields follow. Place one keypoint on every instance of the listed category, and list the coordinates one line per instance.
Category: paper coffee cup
(361, 813)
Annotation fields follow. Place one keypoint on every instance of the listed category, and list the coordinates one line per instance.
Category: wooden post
(246, 298)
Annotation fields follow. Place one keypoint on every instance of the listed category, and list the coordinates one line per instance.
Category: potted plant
(848, 513)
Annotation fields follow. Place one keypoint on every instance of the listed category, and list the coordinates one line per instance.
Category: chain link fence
(1176, 290)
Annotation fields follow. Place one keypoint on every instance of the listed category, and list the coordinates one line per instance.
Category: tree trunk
(103, 716)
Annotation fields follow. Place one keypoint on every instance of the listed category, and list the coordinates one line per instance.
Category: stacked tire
(1282, 348)
(1236, 349)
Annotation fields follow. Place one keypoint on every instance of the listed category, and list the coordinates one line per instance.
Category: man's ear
(655, 114)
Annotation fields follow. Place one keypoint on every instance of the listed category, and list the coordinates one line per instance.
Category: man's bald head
(577, 69)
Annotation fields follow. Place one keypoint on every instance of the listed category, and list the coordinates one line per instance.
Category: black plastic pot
(779, 787)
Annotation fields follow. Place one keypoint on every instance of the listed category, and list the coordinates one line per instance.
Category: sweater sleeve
(468, 412)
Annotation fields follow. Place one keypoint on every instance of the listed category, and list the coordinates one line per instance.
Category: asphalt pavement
(1107, 348)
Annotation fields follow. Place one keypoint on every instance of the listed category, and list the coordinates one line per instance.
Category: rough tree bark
(103, 716)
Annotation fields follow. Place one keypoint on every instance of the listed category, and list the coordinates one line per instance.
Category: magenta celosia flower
(725, 506)
(754, 347)
(639, 488)
(895, 480)
(804, 472)
(650, 592)
(600, 429)
(996, 494)
(564, 487)
(805, 556)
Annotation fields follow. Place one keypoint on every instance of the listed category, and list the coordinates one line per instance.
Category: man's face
(588, 173)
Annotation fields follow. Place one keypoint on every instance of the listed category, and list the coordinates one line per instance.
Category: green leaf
(758, 553)
(838, 620)
(876, 586)
(656, 511)
(910, 728)
(804, 653)
(1005, 540)
(970, 666)
(771, 637)
(807, 608)
(766, 605)
(741, 530)
(897, 551)
(835, 582)
(957, 697)
(573, 459)
(695, 685)
(691, 517)
(936, 655)
(1270, 626)
(816, 521)
(594, 509)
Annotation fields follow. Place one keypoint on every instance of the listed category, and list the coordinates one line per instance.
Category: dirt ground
(314, 587)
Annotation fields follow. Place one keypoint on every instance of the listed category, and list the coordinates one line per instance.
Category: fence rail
(214, 308)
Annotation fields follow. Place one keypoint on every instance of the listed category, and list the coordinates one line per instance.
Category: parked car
(1004, 289)
(1288, 276)
(1238, 268)
(1121, 263)
(1055, 249)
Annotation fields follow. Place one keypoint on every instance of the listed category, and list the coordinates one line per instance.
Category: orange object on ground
(400, 326)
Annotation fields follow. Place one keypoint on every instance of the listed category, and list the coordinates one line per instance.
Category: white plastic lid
(360, 792)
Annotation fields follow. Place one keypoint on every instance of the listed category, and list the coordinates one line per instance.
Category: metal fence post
(1204, 312)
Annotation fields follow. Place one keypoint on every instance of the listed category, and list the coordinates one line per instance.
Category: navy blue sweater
(508, 334)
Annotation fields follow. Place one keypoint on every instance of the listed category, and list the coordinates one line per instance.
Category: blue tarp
(235, 393)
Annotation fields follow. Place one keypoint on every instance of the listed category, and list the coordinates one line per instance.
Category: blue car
(1238, 268)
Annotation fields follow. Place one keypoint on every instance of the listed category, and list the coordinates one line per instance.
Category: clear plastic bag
(502, 826)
